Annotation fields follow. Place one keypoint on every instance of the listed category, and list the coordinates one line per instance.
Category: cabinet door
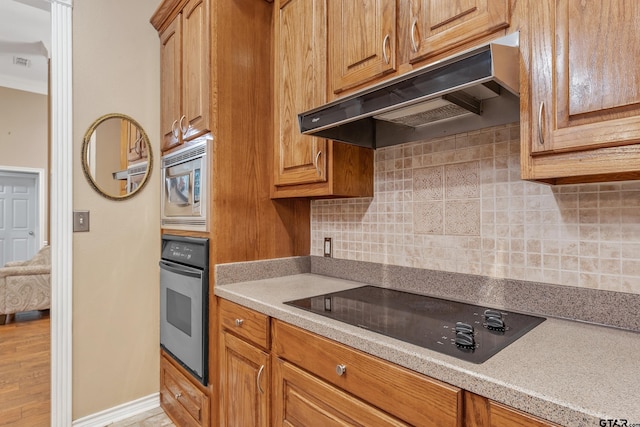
(300, 86)
(362, 41)
(441, 25)
(482, 412)
(244, 384)
(585, 82)
(170, 78)
(195, 70)
(302, 400)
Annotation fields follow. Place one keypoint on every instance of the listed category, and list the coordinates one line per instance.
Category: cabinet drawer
(302, 399)
(181, 399)
(244, 322)
(412, 397)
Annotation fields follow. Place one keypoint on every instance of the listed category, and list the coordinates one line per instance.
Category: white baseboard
(120, 412)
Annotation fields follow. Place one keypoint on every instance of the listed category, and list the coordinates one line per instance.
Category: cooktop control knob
(464, 327)
(492, 313)
(495, 324)
(465, 340)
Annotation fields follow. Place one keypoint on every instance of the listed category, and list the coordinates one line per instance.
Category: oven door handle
(181, 269)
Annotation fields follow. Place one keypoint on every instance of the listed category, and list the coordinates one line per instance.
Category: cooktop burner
(469, 332)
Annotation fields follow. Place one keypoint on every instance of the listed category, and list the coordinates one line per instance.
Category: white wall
(116, 68)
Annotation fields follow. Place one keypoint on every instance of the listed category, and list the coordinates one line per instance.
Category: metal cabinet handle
(182, 129)
(414, 43)
(341, 370)
(385, 45)
(174, 129)
(318, 170)
(178, 395)
(540, 134)
(258, 379)
(239, 322)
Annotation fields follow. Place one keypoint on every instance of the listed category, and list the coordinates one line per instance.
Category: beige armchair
(26, 285)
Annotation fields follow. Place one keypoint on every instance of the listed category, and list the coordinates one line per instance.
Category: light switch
(80, 221)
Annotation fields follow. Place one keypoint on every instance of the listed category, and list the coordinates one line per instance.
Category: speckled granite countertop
(571, 373)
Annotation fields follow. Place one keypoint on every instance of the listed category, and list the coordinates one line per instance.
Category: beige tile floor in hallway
(153, 418)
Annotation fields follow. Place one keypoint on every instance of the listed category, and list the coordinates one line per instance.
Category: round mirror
(116, 156)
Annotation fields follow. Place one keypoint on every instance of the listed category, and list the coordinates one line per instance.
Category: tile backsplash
(457, 204)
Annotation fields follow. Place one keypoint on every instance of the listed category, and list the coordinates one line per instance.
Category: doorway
(22, 213)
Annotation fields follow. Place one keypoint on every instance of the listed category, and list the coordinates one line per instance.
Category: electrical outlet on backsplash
(458, 204)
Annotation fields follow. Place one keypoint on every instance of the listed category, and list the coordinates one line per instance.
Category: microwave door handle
(179, 269)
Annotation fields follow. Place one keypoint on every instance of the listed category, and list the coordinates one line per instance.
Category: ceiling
(25, 40)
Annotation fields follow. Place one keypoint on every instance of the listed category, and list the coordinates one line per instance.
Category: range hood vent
(476, 89)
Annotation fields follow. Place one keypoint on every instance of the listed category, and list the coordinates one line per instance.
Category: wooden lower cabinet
(302, 400)
(244, 384)
(273, 373)
(181, 399)
(410, 397)
(482, 412)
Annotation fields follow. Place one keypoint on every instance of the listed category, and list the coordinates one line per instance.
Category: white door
(19, 230)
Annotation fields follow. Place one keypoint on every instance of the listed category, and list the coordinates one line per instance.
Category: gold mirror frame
(86, 169)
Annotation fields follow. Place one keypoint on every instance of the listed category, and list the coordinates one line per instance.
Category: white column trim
(61, 184)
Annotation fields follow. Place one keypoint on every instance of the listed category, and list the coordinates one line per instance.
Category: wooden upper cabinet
(440, 25)
(184, 75)
(170, 81)
(195, 69)
(362, 41)
(584, 108)
(306, 166)
(300, 85)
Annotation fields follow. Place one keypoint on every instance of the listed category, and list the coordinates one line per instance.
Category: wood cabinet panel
(244, 383)
(300, 85)
(362, 41)
(441, 25)
(180, 398)
(303, 400)
(584, 106)
(306, 166)
(170, 81)
(244, 322)
(483, 412)
(405, 394)
(184, 75)
(195, 66)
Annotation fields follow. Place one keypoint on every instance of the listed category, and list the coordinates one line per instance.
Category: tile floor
(152, 418)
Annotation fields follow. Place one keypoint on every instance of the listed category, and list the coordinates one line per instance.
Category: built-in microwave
(185, 184)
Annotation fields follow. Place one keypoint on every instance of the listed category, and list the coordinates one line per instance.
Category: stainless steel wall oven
(184, 302)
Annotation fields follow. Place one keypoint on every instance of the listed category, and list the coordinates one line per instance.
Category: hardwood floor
(25, 376)
(25, 372)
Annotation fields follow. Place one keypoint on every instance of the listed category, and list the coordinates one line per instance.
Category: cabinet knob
(341, 370)
(178, 395)
(239, 322)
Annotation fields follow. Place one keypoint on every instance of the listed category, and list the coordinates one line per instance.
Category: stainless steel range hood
(472, 90)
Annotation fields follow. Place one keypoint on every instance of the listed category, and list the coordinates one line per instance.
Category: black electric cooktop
(469, 332)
